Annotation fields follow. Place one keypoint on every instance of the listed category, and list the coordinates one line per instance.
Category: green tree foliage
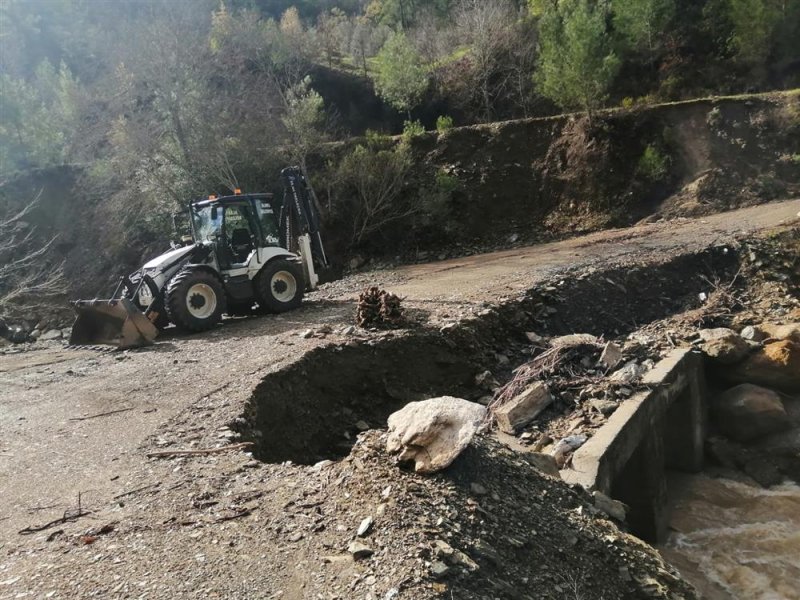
(372, 179)
(576, 63)
(402, 14)
(400, 77)
(754, 23)
(305, 120)
(39, 120)
(641, 23)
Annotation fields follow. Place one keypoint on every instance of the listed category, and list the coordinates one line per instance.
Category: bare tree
(27, 275)
(485, 25)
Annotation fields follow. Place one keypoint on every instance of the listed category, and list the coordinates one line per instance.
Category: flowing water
(733, 540)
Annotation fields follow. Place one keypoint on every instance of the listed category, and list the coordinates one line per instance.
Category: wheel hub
(197, 301)
(284, 286)
(201, 300)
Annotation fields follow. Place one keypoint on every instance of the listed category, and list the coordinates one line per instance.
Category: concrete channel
(658, 429)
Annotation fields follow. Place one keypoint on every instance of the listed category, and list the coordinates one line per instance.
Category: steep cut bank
(480, 187)
(524, 180)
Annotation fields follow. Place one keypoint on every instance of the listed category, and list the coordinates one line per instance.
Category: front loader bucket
(116, 322)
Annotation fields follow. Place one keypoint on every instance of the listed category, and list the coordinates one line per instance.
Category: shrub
(412, 129)
(653, 165)
(445, 182)
(627, 102)
(714, 117)
(372, 183)
(444, 123)
(377, 139)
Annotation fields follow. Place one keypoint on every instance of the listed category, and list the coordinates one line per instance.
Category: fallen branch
(236, 515)
(67, 518)
(202, 451)
(141, 489)
(103, 414)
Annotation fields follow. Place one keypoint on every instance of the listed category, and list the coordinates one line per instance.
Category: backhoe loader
(244, 252)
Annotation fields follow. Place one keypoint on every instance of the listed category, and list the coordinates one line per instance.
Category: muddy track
(301, 399)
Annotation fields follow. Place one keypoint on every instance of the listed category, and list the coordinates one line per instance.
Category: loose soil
(228, 525)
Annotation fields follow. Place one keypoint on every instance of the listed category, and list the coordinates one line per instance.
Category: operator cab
(237, 225)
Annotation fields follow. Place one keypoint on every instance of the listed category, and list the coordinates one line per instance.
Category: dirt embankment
(521, 180)
(506, 184)
(235, 527)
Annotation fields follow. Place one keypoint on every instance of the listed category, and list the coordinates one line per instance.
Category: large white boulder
(432, 433)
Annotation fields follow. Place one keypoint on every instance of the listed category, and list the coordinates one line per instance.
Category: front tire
(280, 286)
(195, 300)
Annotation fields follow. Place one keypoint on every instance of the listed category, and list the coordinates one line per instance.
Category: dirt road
(75, 421)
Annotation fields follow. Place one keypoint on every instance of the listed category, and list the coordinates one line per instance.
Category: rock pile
(573, 383)
(757, 413)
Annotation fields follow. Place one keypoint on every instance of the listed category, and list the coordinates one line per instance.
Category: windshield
(204, 225)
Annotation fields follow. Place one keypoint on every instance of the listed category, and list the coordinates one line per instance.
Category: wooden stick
(202, 451)
(141, 489)
(111, 412)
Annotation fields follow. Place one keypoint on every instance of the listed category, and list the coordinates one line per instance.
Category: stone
(544, 463)
(478, 489)
(611, 356)
(35, 334)
(523, 408)
(565, 446)
(487, 552)
(613, 508)
(783, 443)
(747, 411)
(364, 527)
(359, 550)
(52, 334)
(362, 425)
(774, 331)
(308, 333)
(534, 338)
(764, 471)
(629, 373)
(776, 365)
(723, 345)
(432, 433)
(356, 262)
(604, 407)
(725, 452)
(486, 380)
(752, 334)
(444, 551)
(439, 569)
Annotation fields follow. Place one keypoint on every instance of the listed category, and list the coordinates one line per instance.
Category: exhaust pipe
(117, 322)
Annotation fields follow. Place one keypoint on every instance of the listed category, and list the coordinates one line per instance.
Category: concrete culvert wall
(313, 410)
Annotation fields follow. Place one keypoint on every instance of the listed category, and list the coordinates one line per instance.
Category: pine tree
(576, 62)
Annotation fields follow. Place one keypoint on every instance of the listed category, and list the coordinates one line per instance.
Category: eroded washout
(316, 409)
(313, 409)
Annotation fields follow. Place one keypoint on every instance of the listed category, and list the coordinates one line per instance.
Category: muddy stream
(734, 540)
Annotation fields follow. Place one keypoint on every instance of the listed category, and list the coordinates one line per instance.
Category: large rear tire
(195, 299)
(280, 286)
